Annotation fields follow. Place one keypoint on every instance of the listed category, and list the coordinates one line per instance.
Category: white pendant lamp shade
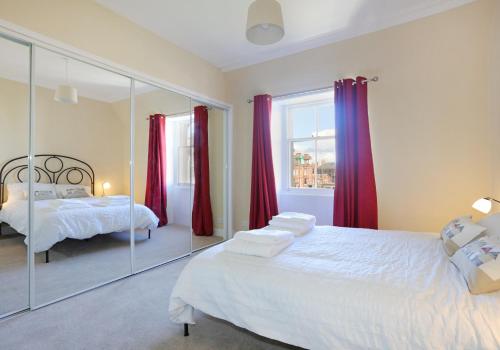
(66, 94)
(265, 22)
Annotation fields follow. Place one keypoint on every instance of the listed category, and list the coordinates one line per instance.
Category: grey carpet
(127, 314)
(76, 265)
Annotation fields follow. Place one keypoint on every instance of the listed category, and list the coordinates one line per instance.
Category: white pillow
(15, 190)
(492, 224)
(69, 191)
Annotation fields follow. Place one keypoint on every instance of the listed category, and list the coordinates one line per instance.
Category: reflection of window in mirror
(182, 134)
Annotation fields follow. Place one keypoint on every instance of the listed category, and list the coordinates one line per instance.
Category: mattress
(78, 218)
(339, 288)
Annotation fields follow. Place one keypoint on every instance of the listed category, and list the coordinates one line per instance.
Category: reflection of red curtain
(355, 198)
(263, 202)
(156, 183)
(202, 220)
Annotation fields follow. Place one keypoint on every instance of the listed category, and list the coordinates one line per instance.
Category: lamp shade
(483, 205)
(265, 22)
(66, 94)
(106, 185)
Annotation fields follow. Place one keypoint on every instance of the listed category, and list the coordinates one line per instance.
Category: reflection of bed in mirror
(64, 203)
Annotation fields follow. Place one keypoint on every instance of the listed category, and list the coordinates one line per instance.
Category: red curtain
(355, 199)
(202, 220)
(263, 203)
(156, 183)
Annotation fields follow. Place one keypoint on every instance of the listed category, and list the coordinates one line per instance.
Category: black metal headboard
(49, 168)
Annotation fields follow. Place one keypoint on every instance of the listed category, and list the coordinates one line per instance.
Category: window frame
(288, 142)
(187, 118)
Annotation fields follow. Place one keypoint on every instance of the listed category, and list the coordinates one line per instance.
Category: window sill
(185, 186)
(307, 192)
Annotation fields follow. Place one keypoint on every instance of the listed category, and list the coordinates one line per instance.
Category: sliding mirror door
(14, 141)
(82, 208)
(209, 221)
(162, 175)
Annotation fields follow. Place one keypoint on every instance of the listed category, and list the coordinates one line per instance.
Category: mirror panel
(82, 206)
(162, 174)
(14, 142)
(209, 154)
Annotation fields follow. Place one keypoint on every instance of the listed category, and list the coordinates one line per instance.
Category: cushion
(39, 195)
(479, 263)
(73, 191)
(492, 224)
(41, 191)
(459, 232)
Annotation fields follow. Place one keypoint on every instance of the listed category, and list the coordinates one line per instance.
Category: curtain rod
(307, 92)
(180, 113)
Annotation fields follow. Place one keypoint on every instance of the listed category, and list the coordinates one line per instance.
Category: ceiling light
(265, 22)
(66, 93)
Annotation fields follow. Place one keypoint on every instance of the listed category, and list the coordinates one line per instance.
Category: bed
(339, 288)
(58, 219)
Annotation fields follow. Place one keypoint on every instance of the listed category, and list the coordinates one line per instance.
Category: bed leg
(149, 234)
(46, 256)
(186, 330)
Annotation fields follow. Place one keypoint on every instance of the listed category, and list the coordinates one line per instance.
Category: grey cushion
(76, 192)
(459, 232)
(39, 195)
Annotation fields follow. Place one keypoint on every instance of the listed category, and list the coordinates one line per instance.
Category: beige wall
(494, 78)
(434, 113)
(14, 122)
(429, 113)
(88, 26)
(89, 131)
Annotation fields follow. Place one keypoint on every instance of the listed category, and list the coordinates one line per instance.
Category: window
(184, 140)
(310, 133)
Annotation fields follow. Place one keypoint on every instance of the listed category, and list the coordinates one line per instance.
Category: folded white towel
(265, 236)
(240, 246)
(289, 224)
(298, 218)
(297, 230)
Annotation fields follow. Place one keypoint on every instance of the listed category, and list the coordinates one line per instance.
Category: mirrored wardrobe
(125, 175)
(14, 142)
(162, 174)
(82, 218)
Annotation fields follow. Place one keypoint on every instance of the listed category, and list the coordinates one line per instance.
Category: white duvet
(338, 288)
(79, 218)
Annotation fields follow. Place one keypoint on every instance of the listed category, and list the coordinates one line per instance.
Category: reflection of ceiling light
(265, 22)
(66, 93)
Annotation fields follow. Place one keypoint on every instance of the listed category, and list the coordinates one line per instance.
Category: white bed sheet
(79, 218)
(338, 288)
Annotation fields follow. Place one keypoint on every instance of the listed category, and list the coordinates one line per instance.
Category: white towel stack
(265, 242)
(298, 223)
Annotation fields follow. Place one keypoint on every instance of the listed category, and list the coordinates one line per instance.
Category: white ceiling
(91, 82)
(215, 29)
